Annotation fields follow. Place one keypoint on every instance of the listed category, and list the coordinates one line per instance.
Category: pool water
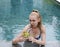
(14, 16)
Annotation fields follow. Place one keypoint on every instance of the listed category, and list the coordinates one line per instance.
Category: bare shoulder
(26, 27)
(43, 28)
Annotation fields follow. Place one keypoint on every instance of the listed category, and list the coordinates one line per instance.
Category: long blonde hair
(39, 16)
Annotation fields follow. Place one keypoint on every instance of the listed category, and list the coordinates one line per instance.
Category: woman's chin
(34, 26)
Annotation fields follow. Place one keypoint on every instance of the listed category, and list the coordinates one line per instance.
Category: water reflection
(15, 7)
(20, 8)
(27, 6)
(11, 25)
(57, 29)
(6, 33)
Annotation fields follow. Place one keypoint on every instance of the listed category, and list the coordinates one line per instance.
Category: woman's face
(33, 19)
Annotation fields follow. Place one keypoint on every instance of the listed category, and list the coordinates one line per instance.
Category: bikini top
(38, 36)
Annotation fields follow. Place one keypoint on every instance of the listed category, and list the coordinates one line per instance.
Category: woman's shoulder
(43, 28)
(27, 27)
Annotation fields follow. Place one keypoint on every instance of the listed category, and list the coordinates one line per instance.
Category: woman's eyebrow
(31, 20)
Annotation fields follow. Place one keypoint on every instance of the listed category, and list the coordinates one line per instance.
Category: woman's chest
(34, 32)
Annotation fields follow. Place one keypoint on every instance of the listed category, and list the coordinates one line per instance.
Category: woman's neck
(35, 30)
(34, 27)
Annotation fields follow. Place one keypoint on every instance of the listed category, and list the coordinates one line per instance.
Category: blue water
(14, 16)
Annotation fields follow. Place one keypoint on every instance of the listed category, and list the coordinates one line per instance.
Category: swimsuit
(38, 36)
(28, 43)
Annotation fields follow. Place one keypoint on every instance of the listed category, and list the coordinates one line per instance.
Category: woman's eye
(33, 20)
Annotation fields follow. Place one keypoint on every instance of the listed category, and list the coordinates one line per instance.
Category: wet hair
(39, 16)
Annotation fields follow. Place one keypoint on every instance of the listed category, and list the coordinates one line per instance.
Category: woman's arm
(20, 37)
(43, 37)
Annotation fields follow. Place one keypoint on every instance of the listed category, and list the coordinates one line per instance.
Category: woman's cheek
(35, 24)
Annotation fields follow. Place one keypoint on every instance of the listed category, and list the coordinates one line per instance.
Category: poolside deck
(48, 44)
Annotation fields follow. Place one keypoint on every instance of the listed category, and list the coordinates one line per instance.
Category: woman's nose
(31, 22)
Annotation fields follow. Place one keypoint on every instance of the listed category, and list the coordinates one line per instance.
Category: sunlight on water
(50, 29)
(1, 30)
(58, 0)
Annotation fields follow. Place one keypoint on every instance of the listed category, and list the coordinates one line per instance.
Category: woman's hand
(32, 39)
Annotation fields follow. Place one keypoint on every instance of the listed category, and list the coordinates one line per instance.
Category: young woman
(36, 30)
